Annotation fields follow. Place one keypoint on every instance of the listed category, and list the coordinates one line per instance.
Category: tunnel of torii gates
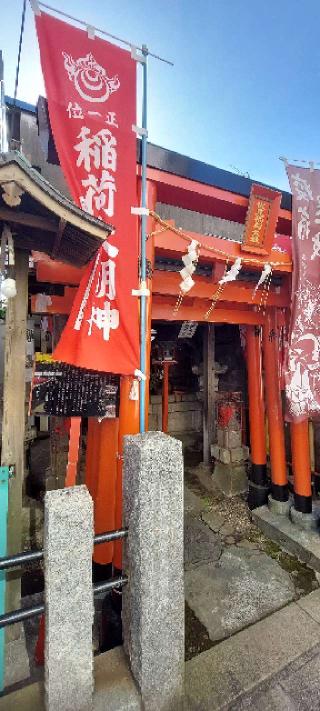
(235, 305)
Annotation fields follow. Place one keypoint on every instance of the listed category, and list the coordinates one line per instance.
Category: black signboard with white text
(65, 391)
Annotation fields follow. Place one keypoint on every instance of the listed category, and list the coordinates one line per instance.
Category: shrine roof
(183, 166)
(43, 218)
(192, 169)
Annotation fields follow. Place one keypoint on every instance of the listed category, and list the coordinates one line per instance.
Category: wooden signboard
(65, 391)
(261, 221)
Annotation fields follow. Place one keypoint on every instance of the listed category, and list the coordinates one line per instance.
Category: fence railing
(20, 559)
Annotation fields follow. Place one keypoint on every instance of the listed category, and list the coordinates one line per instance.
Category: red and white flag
(91, 91)
(302, 375)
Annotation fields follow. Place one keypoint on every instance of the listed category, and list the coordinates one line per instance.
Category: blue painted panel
(4, 485)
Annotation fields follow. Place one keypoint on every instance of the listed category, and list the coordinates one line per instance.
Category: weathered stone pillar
(153, 601)
(68, 599)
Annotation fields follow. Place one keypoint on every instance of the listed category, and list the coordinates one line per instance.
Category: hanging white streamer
(134, 390)
(264, 275)
(189, 267)
(233, 272)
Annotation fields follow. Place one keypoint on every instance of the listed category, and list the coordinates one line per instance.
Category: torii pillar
(301, 467)
(279, 478)
(258, 486)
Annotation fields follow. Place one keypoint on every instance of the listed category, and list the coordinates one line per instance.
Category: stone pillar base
(257, 495)
(305, 521)
(17, 665)
(281, 508)
(231, 479)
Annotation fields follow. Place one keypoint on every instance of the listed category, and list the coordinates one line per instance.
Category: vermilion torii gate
(263, 312)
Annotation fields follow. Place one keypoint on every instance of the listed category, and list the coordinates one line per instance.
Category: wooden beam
(163, 310)
(59, 234)
(13, 423)
(28, 220)
(59, 304)
(58, 272)
(208, 391)
(167, 283)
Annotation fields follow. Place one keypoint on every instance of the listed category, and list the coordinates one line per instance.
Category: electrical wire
(19, 52)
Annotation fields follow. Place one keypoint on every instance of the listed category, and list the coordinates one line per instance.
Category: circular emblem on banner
(90, 79)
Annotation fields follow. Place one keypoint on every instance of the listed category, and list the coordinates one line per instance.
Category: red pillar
(92, 456)
(258, 488)
(105, 489)
(165, 395)
(279, 479)
(301, 466)
(128, 424)
(73, 453)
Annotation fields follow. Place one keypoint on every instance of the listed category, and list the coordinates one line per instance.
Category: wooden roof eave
(13, 173)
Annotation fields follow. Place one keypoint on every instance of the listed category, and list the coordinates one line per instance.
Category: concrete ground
(273, 665)
(252, 618)
(114, 688)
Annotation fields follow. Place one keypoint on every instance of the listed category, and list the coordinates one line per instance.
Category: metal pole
(26, 613)
(103, 32)
(3, 146)
(143, 303)
(19, 52)
(13, 561)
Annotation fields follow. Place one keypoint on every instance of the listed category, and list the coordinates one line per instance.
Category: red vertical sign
(91, 91)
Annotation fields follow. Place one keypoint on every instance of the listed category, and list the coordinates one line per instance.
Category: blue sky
(245, 84)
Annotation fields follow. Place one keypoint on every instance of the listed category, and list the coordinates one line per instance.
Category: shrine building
(216, 345)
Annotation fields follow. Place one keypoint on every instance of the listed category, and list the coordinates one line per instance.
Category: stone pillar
(230, 473)
(68, 599)
(208, 391)
(153, 601)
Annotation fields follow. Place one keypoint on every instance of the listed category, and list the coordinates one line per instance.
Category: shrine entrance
(179, 390)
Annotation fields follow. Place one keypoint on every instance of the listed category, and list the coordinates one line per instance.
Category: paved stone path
(243, 587)
(273, 665)
(230, 582)
(273, 662)
(232, 579)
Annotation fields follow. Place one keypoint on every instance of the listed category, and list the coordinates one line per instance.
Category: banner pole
(143, 267)
(35, 5)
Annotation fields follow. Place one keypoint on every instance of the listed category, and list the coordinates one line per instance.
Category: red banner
(303, 367)
(91, 91)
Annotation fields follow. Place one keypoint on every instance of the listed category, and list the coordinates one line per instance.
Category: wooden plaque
(261, 221)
